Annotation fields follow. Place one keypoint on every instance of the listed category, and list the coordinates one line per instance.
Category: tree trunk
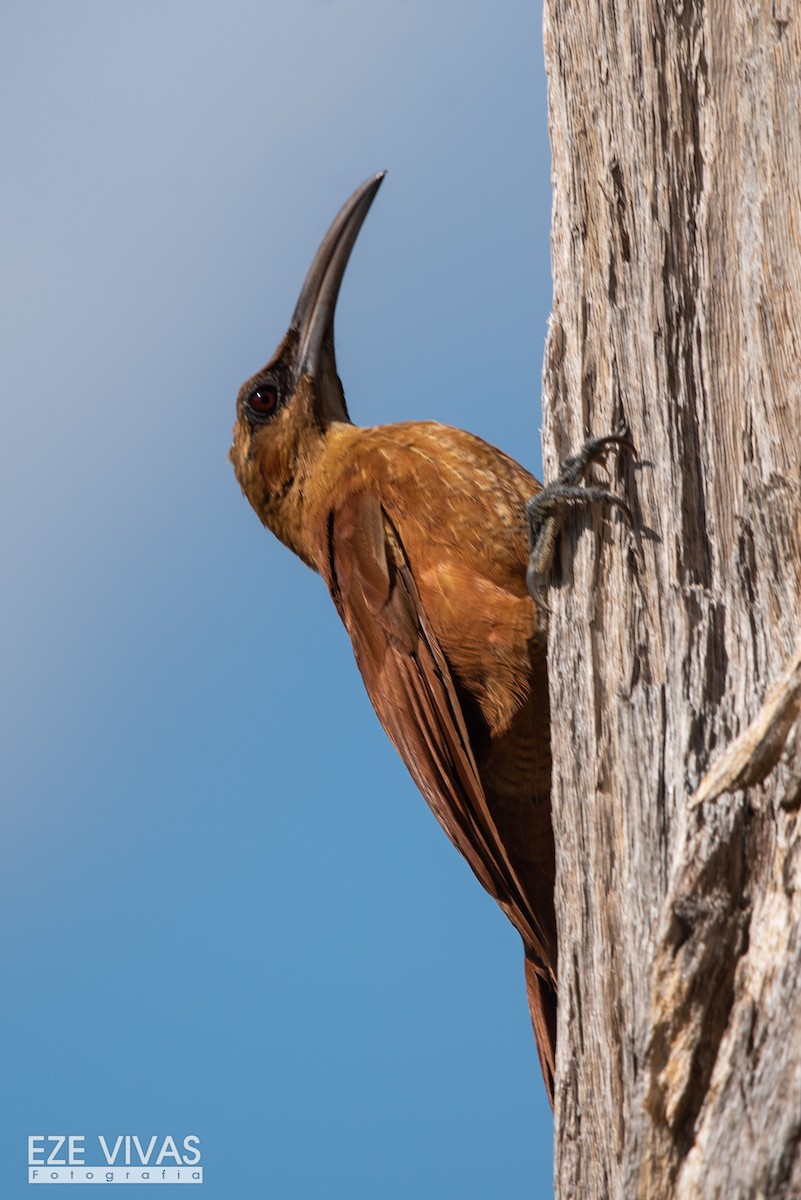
(674, 641)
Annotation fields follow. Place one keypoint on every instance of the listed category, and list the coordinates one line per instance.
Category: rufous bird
(421, 533)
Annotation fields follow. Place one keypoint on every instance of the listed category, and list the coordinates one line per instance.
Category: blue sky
(226, 910)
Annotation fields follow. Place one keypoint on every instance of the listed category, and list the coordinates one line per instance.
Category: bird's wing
(413, 691)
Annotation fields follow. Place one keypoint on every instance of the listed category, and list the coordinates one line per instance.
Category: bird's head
(284, 410)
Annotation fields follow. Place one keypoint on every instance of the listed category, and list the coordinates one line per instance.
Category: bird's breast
(457, 509)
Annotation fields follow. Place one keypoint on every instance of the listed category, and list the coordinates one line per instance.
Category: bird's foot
(545, 510)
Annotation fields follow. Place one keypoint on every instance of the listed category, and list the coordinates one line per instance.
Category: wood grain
(676, 244)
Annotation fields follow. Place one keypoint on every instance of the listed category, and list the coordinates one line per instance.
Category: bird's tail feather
(542, 1006)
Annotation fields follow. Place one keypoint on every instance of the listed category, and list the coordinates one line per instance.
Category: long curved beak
(313, 318)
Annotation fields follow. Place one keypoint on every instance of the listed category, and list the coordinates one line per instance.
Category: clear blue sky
(225, 908)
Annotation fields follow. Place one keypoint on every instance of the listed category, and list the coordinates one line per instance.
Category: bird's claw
(544, 511)
(573, 468)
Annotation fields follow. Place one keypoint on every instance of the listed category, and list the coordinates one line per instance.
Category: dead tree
(675, 673)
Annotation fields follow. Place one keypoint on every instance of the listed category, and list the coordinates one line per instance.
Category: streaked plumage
(419, 531)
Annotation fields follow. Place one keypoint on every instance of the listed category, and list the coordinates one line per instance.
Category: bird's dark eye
(263, 400)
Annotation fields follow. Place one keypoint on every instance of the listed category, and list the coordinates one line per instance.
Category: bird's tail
(542, 1006)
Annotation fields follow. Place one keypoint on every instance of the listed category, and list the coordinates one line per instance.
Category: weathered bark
(676, 135)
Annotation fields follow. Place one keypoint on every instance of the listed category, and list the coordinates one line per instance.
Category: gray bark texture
(674, 662)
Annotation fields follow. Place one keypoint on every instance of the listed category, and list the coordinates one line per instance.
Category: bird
(433, 545)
